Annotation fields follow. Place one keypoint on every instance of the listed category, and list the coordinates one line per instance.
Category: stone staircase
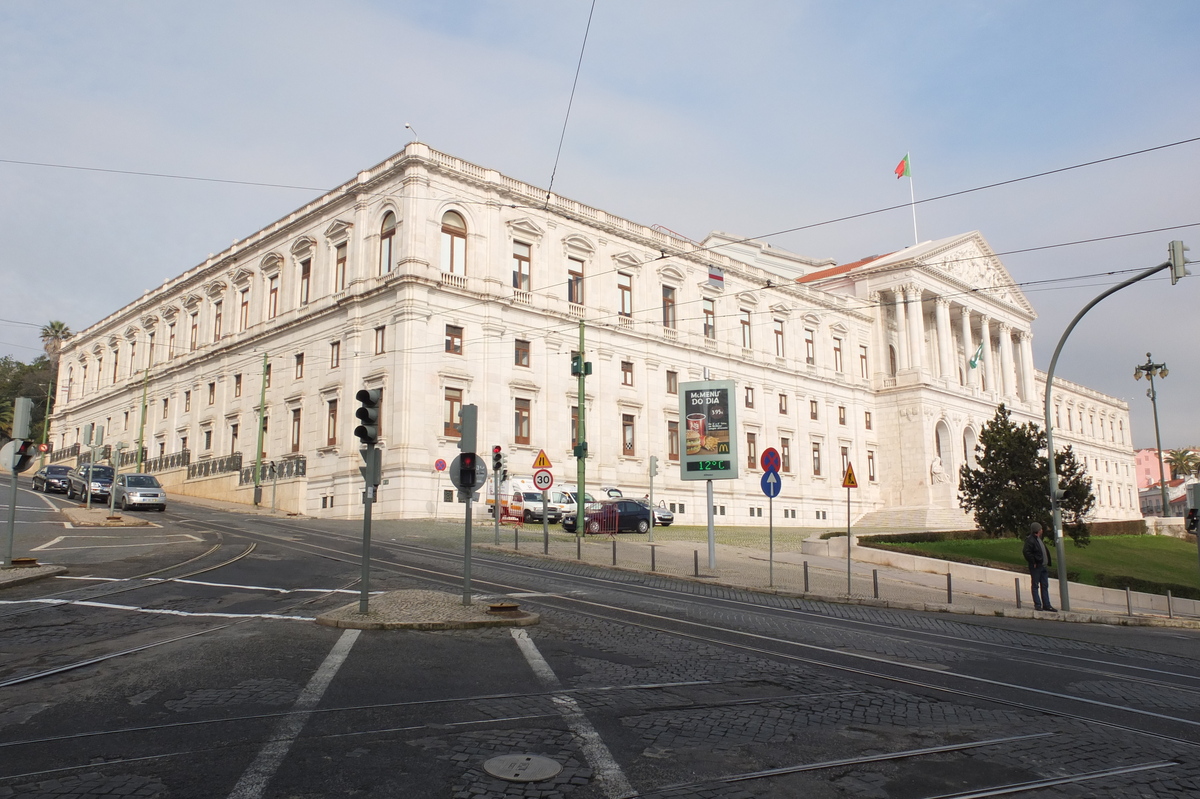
(908, 519)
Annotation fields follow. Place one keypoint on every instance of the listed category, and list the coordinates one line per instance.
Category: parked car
(612, 516)
(51, 478)
(99, 477)
(139, 491)
(531, 508)
(662, 516)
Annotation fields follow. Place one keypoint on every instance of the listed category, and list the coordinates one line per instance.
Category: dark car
(662, 516)
(139, 491)
(100, 478)
(612, 516)
(51, 478)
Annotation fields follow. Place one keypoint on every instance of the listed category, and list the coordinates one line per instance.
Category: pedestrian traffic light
(368, 415)
(497, 459)
(23, 455)
(466, 470)
(1191, 523)
(1178, 260)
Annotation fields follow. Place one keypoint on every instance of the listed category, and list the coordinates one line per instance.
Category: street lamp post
(1150, 369)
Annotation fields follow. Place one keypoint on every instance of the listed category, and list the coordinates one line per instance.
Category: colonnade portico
(1007, 371)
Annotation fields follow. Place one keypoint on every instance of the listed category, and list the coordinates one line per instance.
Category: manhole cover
(522, 768)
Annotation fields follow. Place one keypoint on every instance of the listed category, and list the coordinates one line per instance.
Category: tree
(53, 337)
(1007, 489)
(1182, 462)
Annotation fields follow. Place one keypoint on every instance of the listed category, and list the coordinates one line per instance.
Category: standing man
(1038, 558)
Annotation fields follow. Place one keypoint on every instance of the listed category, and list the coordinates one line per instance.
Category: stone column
(968, 347)
(879, 339)
(942, 320)
(916, 327)
(1027, 371)
(985, 335)
(901, 328)
(1007, 373)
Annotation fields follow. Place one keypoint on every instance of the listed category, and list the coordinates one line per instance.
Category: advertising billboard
(709, 415)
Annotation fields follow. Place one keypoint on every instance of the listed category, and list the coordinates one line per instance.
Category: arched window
(969, 442)
(454, 243)
(387, 232)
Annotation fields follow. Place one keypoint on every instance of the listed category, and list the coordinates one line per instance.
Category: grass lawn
(1155, 558)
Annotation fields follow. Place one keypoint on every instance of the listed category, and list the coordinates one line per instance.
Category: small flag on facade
(978, 354)
(902, 169)
(716, 277)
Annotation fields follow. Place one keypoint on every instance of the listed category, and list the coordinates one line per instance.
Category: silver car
(139, 491)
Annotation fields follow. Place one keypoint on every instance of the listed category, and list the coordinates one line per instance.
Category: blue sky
(749, 117)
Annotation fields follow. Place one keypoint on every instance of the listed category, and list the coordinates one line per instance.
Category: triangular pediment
(338, 230)
(526, 228)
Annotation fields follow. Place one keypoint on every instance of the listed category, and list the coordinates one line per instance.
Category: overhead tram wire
(570, 101)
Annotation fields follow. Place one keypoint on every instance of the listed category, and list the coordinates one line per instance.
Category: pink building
(1147, 467)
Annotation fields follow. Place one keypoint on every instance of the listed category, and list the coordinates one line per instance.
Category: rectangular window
(813, 409)
(867, 420)
(575, 281)
(810, 346)
(116, 364)
(267, 376)
(871, 466)
(521, 262)
(862, 361)
(751, 451)
(837, 355)
(295, 430)
(212, 393)
(625, 289)
(453, 404)
(335, 354)
(299, 365)
(574, 426)
(305, 281)
(845, 460)
(331, 419)
(627, 373)
(749, 396)
(166, 405)
(379, 340)
(233, 436)
(237, 385)
(207, 440)
(841, 414)
(454, 336)
(710, 317)
(217, 308)
(339, 267)
(265, 424)
(194, 337)
(747, 342)
(785, 454)
(628, 444)
(783, 403)
(521, 353)
(816, 458)
(244, 310)
(273, 297)
(672, 382)
(673, 441)
(187, 401)
(170, 341)
(151, 356)
(521, 421)
(668, 307)
(779, 349)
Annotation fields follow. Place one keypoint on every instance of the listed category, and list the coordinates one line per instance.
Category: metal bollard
(1017, 583)
(614, 552)
(949, 590)
(652, 548)
(875, 580)
(696, 561)
(1170, 613)
(578, 547)
(806, 576)
(516, 536)
(1129, 600)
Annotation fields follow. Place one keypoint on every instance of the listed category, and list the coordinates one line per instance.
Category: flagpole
(913, 204)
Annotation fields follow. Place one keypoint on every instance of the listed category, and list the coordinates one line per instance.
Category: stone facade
(445, 283)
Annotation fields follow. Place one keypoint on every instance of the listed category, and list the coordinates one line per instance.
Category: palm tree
(1183, 462)
(53, 336)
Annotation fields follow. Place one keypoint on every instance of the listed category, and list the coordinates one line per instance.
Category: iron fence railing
(211, 466)
(64, 454)
(276, 470)
(164, 463)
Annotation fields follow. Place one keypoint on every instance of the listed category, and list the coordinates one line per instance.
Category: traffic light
(22, 414)
(466, 470)
(1178, 260)
(1190, 524)
(579, 366)
(580, 450)
(497, 460)
(653, 465)
(23, 456)
(368, 415)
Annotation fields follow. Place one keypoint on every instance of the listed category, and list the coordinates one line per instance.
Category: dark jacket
(1033, 552)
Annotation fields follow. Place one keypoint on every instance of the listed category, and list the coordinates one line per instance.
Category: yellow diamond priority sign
(542, 462)
(849, 481)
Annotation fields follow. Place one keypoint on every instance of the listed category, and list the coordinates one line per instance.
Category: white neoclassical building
(445, 283)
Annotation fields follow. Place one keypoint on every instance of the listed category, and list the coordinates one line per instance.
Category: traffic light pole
(368, 500)
(12, 513)
(581, 436)
(258, 452)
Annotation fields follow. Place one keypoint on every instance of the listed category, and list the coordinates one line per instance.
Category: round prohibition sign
(770, 460)
(542, 480)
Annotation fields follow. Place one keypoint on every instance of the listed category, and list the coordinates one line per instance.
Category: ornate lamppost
(1151, 369)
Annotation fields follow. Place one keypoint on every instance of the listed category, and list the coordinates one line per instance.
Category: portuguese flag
(902, 169)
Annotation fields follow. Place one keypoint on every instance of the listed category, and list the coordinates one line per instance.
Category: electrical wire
(570, 101)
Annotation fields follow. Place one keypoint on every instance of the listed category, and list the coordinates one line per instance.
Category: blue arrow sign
(771, 484)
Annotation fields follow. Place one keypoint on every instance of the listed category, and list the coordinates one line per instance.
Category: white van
(520, 498)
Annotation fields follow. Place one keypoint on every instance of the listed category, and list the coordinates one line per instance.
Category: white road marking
(155, 611)
(255, 779)
(608, 772)
(156, 540)
(353, 591)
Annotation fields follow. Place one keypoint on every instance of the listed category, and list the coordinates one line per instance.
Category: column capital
(964, 311)
(1005, 327)
(942, 302)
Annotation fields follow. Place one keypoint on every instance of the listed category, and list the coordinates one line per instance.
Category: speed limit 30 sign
(542, 480)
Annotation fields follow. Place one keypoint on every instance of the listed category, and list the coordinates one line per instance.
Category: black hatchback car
(51, 478)
(100, 477)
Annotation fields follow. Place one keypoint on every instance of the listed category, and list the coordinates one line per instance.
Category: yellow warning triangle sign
(542, 462)
(849, 481)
